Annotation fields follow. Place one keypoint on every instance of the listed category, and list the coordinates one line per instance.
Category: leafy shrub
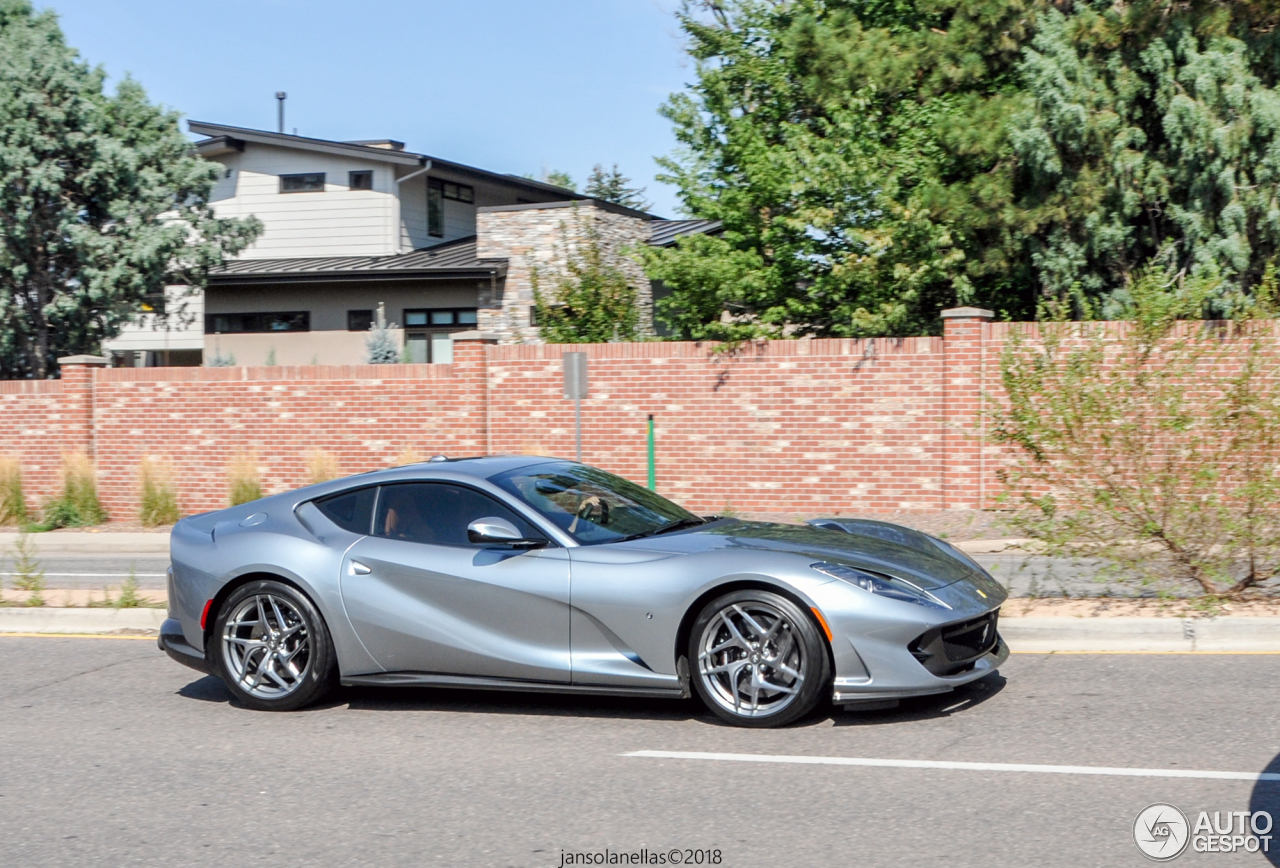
(78, 504)
(243, 482)
(159, 497)
(1155, 447)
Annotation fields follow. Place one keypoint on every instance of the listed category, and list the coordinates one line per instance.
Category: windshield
(591, 505)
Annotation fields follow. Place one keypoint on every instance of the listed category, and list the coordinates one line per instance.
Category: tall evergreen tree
(102, 201)
(613, 186)
(875, 161)
(1151, 128)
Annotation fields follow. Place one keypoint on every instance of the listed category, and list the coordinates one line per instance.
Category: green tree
(613, 186)
(1150, 126)
(875, 161)
(557, 178)
(856, 155)
(588, 298)
(102, 201)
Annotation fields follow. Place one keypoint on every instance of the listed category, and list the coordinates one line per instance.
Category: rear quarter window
(352, 510)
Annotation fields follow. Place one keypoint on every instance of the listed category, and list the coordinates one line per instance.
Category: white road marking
(955, 766)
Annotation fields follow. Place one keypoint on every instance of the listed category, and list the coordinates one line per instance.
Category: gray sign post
(575, 388)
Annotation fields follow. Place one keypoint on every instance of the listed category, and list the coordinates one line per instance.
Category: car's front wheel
(758, 659)
(272, 647)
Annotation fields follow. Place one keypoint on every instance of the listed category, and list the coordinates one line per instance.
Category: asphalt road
(114, 755)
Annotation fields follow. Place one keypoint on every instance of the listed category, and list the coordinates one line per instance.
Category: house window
(435, 207)
(359, 320)
(360, 180)
(246, 323)
(311, 182)
(459, 192)
(428, 336)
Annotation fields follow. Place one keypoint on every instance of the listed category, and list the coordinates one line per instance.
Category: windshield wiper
(678, 524)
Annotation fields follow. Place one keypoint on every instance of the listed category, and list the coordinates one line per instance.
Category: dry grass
(408, 455)
(322, 466)
(78, 504)
(244, 483)
(13, 506)
(158, 496)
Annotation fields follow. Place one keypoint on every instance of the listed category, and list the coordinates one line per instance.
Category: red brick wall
(804, 426)
(785, 426)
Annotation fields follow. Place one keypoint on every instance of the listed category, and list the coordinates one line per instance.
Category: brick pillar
(471, 367)
(962, 333)
(77, 401)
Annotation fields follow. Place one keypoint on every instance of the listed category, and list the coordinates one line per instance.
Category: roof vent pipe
(280, 98)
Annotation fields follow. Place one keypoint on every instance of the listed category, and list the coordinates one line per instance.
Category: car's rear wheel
(272, 647)
(758, 659)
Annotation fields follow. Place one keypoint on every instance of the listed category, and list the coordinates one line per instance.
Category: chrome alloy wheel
(266, 646)
(750, 660)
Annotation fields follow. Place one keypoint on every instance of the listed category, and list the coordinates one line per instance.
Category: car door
(422, 598)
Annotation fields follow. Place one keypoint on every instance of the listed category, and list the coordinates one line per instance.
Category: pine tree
(102, 201)
(381, 346)
(613, 186)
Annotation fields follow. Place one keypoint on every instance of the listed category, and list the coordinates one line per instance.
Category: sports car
(540, 574)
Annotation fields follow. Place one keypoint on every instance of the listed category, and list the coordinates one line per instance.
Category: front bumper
(175, 644)
(886, 649)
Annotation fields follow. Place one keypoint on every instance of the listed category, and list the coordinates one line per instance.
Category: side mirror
(498, 530)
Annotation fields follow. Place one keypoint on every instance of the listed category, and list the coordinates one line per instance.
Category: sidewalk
(91, 541)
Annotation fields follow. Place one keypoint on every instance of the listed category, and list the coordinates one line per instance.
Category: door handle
(359, 569)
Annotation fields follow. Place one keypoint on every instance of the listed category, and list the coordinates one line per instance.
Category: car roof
(482, 467)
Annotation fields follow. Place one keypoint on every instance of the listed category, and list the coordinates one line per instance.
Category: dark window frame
(539, 532)
(435, 207)
(258, 322)
(455, 192)
(362, 173)
(373, 506)
(428, 326)
(365, 316)
(299, 176)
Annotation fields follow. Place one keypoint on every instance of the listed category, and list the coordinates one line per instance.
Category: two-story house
(351, 227)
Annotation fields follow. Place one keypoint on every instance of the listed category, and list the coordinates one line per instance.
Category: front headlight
(882, 586)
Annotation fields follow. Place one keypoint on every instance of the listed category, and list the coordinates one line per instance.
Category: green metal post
(653, 473)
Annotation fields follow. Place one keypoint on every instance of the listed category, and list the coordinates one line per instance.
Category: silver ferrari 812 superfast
(539, 574)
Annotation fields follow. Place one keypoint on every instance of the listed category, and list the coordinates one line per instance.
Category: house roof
(665, 232)
(454, 259)
(451, 260)
(222, 139)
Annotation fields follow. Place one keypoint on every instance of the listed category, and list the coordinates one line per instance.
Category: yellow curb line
(74, 636)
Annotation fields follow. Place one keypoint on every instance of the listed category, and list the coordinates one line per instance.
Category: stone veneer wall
(534, 236)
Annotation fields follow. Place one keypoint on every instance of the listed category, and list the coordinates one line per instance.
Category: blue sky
(508, 85)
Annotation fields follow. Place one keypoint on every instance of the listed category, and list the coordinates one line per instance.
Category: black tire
(294, 630)
(796, 648)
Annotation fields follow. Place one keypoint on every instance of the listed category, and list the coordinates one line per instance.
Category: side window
(438, 513)
(351, 511)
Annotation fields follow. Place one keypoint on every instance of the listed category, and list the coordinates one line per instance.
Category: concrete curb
(45, 619)
(91, 543)
(1226, 633)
